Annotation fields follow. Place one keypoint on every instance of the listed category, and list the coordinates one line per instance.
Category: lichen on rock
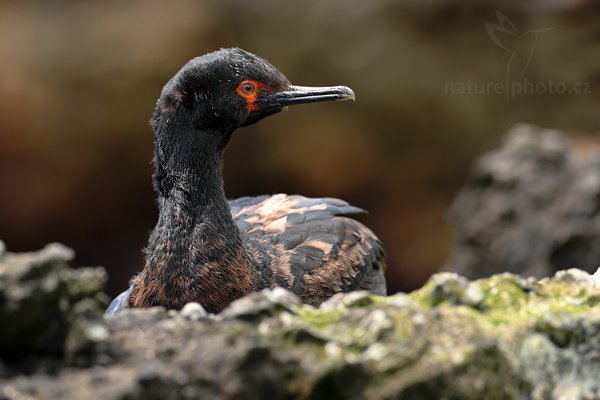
(502, 337)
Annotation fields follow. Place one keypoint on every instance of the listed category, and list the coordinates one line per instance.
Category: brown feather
(312, 251)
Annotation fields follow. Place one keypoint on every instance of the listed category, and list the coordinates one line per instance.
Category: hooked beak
(305, 94)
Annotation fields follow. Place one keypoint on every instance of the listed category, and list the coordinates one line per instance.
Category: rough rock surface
(44, 304)
(498, 338)
(531, 207)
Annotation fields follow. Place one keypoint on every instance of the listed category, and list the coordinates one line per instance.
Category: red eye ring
(247, 89)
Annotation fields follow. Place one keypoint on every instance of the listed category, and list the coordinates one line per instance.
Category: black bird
(207, 249)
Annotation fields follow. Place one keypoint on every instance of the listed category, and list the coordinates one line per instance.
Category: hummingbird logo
(506, 36)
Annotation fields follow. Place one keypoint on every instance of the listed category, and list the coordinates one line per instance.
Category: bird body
(209, 250)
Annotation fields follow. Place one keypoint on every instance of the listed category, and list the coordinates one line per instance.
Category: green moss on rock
(503, 337)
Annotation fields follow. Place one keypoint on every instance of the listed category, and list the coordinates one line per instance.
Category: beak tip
(347, 94)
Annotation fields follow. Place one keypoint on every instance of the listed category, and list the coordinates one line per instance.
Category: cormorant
(209, 250)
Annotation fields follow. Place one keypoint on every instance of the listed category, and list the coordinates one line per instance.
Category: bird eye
(246, 88)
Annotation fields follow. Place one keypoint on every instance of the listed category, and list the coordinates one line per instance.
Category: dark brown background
(78, 82)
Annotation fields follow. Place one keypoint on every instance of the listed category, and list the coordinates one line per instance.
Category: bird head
(227, 89)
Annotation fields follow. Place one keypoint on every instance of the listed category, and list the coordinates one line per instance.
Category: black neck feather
(194, 212)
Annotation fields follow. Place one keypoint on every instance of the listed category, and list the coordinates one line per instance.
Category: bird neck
(189, 171)
(195, 241)
(189, 180)
(192, 183)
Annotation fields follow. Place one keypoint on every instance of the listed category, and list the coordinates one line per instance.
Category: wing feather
(309, 246)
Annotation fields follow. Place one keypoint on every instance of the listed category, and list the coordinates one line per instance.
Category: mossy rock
(502, 337)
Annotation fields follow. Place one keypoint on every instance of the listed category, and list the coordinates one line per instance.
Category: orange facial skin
(249, 89)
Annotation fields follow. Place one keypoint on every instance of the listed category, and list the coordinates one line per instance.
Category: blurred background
(437, 82)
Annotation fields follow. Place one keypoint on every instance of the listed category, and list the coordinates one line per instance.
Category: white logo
(520, 46)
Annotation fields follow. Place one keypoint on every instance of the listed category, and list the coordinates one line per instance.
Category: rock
(86, 342)
(500, 337)
(576, 275)
(193, 311)
(39, 298)
(348, 300)
(449, 287)
(530, 207)
(260, 304)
